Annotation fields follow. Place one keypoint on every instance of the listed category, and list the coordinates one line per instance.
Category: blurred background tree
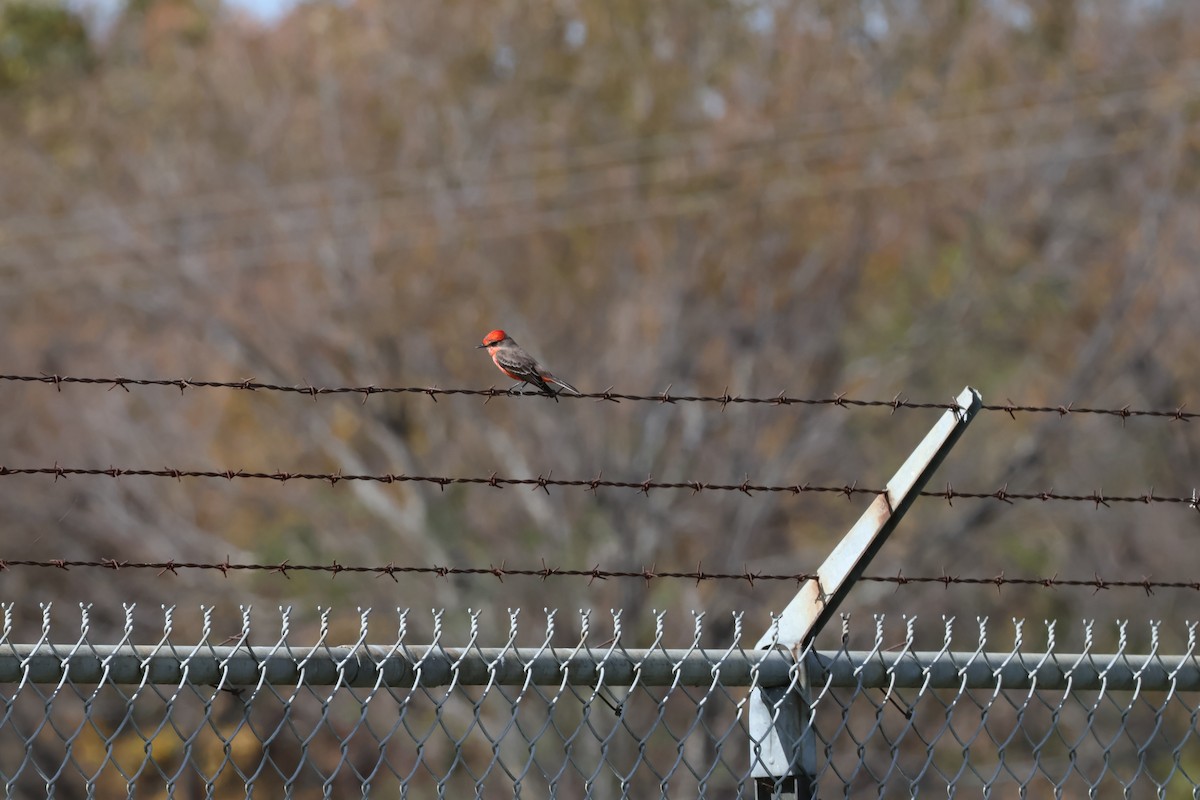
(751, 196)
(39, 41)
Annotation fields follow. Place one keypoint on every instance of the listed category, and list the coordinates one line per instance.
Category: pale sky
(264, 9)
(267, 10)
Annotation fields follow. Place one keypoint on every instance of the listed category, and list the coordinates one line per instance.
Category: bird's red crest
(495, 336)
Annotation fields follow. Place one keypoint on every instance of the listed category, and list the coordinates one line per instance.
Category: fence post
(783, 749)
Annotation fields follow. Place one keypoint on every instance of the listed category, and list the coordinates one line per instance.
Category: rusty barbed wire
(544, 482)
(545, 572)
(665, 397)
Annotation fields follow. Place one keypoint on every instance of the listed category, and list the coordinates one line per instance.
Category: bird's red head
(495, 337)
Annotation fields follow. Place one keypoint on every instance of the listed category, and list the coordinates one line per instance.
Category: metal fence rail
(567, 707)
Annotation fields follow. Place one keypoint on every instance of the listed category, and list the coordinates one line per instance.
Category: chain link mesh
(566, 708)
(1021, 723)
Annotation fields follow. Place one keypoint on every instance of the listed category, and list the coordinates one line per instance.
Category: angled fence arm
(783, 748)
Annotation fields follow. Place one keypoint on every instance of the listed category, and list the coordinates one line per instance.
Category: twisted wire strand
(544, 482)
(545, 572)
(665, 397)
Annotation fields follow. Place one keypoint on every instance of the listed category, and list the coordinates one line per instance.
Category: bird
(513, 361)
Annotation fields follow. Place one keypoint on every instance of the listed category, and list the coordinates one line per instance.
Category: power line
(664, 398)
(1004, 101)
(499, 194)
(622, 211)
(1033, 116)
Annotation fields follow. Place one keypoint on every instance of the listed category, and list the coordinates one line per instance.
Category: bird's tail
(568, 387)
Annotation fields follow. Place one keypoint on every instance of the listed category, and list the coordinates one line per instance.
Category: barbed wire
(545, 572)
(544, 482)
(665, 397)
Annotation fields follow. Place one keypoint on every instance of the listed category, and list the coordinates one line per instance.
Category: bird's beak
(480, 346)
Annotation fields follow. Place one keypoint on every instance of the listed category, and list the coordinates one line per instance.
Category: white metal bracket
(783, 753)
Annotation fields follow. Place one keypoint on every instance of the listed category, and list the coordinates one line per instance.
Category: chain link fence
(566, 707)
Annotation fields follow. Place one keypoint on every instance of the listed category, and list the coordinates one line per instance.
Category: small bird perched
(514, 362)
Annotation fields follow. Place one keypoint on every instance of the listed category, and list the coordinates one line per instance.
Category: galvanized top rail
(590, 657)
(428, 666)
